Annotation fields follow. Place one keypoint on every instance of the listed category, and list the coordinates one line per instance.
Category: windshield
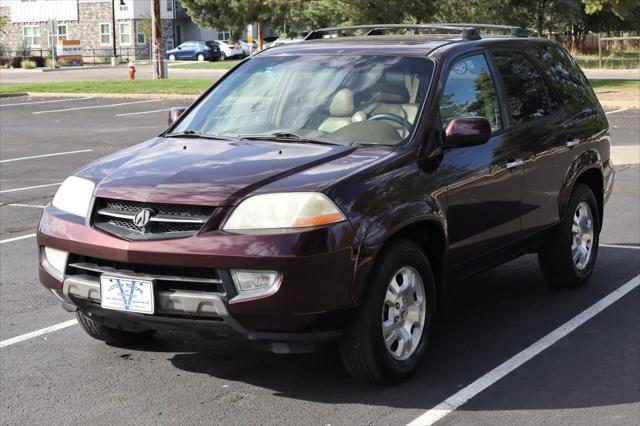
(334, 99)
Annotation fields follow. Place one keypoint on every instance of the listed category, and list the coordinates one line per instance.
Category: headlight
(74, 196)
(284, 210)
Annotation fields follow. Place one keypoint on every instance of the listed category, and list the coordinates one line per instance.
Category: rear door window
(470, 92)
(524, 89)
(565, 75)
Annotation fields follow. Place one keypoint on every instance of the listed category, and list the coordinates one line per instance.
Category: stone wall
(86, 29)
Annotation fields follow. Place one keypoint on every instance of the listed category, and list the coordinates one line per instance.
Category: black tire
(223, 56)
(111, 335)
(200, 57)
(555, 258)
(172, 58)
(362, 348)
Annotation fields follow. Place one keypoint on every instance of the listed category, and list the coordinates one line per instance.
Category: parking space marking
(455, 401)
(618, 110)
(22, 237)
(46, 102)
(37, 333)
(35, 206)
(4, 191)
(45, 155)
(97, 106)
(142, 112)
(619, 246)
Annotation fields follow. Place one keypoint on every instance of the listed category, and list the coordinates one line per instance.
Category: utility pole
(157, 54)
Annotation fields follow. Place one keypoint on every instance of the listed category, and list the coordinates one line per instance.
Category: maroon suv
(331, 189)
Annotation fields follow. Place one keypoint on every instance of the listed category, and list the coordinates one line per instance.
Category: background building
(89, 21)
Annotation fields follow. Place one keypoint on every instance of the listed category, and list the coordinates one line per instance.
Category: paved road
(592, 376)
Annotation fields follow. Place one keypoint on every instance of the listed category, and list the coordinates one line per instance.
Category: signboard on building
(69, 51)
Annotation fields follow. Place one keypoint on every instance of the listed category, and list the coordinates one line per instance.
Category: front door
(485, 182)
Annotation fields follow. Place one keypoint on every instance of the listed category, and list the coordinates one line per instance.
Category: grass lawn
(618, 60)
(601, 85)
(184, 86)
(172, 86)
(218, 65)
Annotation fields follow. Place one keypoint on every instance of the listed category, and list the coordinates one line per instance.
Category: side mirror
(175, 113)
(467, 131)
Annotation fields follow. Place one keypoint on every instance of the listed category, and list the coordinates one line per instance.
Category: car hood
(212, 172)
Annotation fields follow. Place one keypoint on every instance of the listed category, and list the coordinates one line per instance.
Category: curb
(12, 95)
(108, 95)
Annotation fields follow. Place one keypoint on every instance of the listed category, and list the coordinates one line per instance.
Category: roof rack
(469, 31)
(515, 31)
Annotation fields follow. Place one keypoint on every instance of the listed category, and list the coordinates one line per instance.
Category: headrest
(342, 104)
(392, 94)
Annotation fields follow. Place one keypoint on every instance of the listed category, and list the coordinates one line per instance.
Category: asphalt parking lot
(591, 375)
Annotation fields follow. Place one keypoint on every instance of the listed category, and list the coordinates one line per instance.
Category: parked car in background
(281, 41)
(373, 172)
(247, 48)
(195, 50)
(268, 41)
(228, 50)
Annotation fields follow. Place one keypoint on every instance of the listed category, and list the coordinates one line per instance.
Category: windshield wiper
(196, 134)
(287, 137)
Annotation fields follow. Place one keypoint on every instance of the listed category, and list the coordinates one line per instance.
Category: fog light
(252, 282)
(56, 259)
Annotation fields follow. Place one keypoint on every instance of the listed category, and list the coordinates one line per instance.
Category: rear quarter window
(566, 77)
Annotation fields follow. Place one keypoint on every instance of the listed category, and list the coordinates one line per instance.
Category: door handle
(513, 164)
(573, 142)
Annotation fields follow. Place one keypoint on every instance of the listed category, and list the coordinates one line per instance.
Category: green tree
(4, 23)
(624, 9)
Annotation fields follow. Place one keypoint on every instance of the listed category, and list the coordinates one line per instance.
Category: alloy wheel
(582, 235)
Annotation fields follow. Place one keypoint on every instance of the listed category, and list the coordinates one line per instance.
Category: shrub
(15, 62)
(39, 60)
(49, 63)
(28, 64)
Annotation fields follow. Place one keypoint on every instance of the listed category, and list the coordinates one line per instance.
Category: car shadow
(486, 319)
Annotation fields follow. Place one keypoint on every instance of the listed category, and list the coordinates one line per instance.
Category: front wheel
(172, 57)
(99, 331)
(387, 337)
(568, 258)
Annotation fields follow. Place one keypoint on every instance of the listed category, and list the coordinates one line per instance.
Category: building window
(31, 36)
(125, 33)
(224, 35)
(140, 38)
(169, 5)
(168, 44)
(105, 34)
(62, 32)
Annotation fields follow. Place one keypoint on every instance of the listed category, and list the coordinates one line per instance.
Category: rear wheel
(99, 331)
(200, 57)
(568, 258)
(387, 338)
(223, 56)
(172, 57)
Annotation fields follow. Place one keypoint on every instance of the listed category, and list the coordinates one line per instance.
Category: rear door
(535, 115)
(484, 191)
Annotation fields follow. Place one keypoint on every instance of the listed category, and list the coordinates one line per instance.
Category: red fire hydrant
(132, 71)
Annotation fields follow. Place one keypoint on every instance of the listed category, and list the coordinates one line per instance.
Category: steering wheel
(392, 117)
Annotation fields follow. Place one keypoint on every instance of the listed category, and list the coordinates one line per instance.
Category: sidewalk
(631, 74)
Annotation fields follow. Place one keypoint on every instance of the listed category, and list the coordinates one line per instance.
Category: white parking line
(37, 333)
(46, 102)
(618, 110)
(97, 106)
(455, 401)
(620, 246)
(35, 206)
(45, 155)
(21, 237)
(4, 191)
(142, 112)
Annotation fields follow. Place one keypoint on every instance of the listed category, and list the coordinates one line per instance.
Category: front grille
(165, 220)
(165, 277)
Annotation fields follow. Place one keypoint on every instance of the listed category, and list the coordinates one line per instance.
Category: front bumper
(312, 301)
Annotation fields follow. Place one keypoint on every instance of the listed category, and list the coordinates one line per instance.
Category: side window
(566, 77)
(524, 88)
(470, 92)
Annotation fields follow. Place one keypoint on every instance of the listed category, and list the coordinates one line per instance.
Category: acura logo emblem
(142, 218)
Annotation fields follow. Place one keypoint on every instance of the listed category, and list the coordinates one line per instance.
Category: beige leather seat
(341, 111)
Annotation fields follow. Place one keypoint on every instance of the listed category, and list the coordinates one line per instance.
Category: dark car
(196, 50)
(331, 189)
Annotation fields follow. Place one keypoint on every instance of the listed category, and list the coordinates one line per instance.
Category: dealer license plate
(126, 294)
